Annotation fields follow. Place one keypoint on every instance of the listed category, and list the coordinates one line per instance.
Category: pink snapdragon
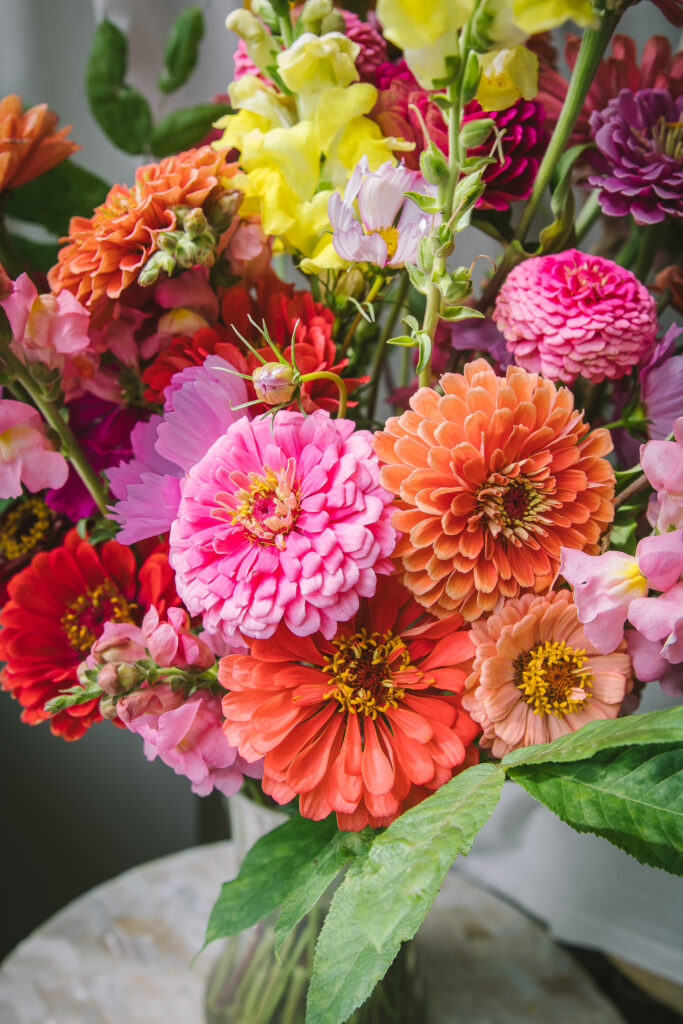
(662, 463)
(48, 329)
(172, 643)
(26, 455)
(656, 644)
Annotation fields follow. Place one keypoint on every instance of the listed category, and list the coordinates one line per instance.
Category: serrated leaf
(315, 877)
(267, 875)
(184, 128)
(386, 895)
(632, 796)
(182, 49)
(121, 111)
(650, 728)
(50, 200)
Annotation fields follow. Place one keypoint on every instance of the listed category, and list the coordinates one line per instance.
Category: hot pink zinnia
(282, 520)
(572, 314)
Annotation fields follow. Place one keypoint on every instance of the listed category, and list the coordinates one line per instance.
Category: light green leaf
(120, 110)
(460, 313)
(560, 233)
(74, 695)
(184, 128)
(268, 874)
(424, 348)
(632, 797)
(653, 727)
(386, 895)
(426, 203)
(50, 200)
(182, 49)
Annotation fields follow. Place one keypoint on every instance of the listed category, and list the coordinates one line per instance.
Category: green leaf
(74, 695)
(460, 313)
(315, 877)
(632, 797)
(653, 727)
(386, 895)
(184, 128)
(268, 874)
(52, 199)
(121, 111)
(38, 255)
(402, 339)
(427, 204)
(182, 49)
(424, 347)
(560, 233)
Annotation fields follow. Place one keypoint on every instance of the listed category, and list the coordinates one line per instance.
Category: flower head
(536, 676)
(662, 463)
(523, 144)
(656, 643)
(533, 16)
(26, 455)
(282, 521)
(639, 158)
(364, 723)
(29, 144)
(507, 76)
(661, 386)
(45, 328)
(492, 479)
(571, 314)
(389, 226)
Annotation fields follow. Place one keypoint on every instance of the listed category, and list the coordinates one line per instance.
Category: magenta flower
(282, 520)
(571, 314)
(186, 734)
(200, 406)
(47, 328)
(26, 455)
(388, 227)
(662, 463)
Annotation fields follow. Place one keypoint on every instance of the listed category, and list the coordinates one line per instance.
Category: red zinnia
(58, 607)
(367, 724)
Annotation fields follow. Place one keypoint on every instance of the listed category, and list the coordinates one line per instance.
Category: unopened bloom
(537, 676)
(273, 383)
(388, 226)
(46, 328)
(26, 455)
(662, 463)
(571, 314)
(507, 76)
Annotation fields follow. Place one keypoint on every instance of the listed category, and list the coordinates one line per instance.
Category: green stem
(348, 338)
(430, 324)
(286, 30)
(336, 379)
(50, 413)
(638, 485)
(588, 215)
(593, 45)
(629, 250)
(382, 345)
(646, 252)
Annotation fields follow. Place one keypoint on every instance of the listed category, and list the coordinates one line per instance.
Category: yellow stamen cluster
(23, 527)
(83, 620)
(389, 236)
(514, 506)
(268, 509)
(552, 678)
(363, 670)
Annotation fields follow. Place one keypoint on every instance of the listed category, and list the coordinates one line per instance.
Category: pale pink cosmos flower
(48, 329)
(662, 463)
(282, 520)
(387, 228)
(26, 455)
(200, 405)
(607, 585)
(186, 734)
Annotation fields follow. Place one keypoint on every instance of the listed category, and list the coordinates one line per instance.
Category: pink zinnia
(572, 314)
(26, 455)
(536, 676)
(282, 520)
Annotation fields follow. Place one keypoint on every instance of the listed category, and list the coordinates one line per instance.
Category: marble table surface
(121, 954)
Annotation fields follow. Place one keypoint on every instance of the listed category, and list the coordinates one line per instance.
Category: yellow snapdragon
(541, 15)
(506, 76)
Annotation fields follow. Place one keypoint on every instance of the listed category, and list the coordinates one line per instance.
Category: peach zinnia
(366, 724)
(537, 677)
(492, 479)
(29, 144)
(105, 253)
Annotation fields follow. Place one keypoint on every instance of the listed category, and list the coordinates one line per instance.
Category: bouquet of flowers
(212, 536)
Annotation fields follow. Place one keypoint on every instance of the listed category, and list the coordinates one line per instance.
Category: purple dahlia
(639, 159)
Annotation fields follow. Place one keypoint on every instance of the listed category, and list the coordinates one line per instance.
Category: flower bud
(158, 263)
(264, 10)
(333, 22)
(194, 223)
(316, 10)
(221, 214)
(274, 383)
(475, 133)
(108, 707)
(249, 28)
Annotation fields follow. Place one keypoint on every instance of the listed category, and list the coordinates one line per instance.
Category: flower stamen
(363, 671)
(86, 615)
(552, 678)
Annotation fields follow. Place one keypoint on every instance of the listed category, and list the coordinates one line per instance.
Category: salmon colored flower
(365, 724)
(537, 677)
(29, 144)
(104, 253)
(492, 479)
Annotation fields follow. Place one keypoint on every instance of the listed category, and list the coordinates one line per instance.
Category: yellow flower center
(363, 670)
(668, 138)
(389, 236)
(23, 526)
(552, 679)
(267, 509)
(513, 507)
(84, 618)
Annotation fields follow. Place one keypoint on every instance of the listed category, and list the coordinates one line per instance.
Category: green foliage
(184, 128)
(386, 894)
(182, 50)
(52, 199)
(75, 695)
(560, 234)
(121, 111)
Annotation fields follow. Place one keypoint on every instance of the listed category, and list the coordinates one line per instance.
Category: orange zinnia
(366, 724)
(492, 479)
(29, 144)
(104, 253)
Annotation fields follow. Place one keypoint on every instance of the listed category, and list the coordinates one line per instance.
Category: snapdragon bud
(274, 383)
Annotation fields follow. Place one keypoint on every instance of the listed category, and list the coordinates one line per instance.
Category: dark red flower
(58, 606)
(523, 145)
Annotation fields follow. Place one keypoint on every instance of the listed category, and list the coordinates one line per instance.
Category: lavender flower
(639, 162)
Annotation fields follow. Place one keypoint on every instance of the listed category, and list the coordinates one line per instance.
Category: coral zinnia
(365, 724)
(58, 606)
(282, 520)
(29, 144)
(537, 677)
(493, 479)
(104, 253)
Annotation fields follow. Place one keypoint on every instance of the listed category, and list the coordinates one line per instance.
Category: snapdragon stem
(336, 379)
(348, 338)
(51, 414)
(382, 345)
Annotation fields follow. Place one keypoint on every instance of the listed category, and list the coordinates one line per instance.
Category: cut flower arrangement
(211, 537)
